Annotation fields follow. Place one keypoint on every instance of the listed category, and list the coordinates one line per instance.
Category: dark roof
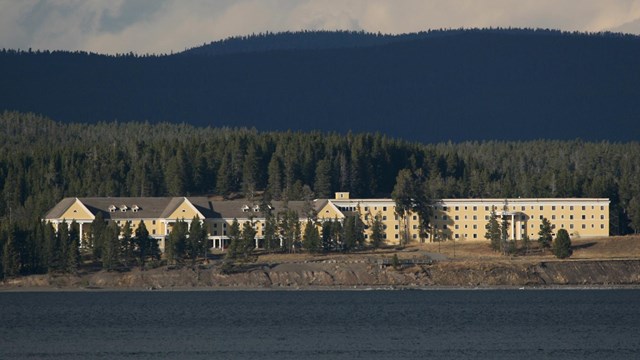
(162, 207)
(149, 207)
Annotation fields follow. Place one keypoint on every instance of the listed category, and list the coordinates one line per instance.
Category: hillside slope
(468, 85)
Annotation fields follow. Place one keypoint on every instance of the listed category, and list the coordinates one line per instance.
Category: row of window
(522, 207)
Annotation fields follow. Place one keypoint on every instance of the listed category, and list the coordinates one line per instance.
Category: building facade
(453, 219)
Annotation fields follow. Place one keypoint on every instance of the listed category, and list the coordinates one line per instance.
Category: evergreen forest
(42, 161)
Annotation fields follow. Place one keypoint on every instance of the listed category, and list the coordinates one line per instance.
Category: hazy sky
(162, 26)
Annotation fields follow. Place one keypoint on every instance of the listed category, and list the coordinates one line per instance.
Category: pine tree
(562, 244)
(10, 257)
(197, 240)
(234, 235)
(322, 184)
(493, 231)
(248, 239)
(546, 234)
(311, 238)
(377, 231)
(176, 243)
(110, 246)
(73, 248)
(127, 244)
(144, 244)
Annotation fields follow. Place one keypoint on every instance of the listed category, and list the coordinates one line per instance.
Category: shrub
(562, 244)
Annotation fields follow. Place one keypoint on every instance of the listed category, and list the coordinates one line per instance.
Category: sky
(165, 26)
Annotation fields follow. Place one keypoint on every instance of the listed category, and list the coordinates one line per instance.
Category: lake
(440, 324)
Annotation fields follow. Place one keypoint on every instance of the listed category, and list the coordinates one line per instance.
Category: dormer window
(112, 208)
(256, 208)
(135, 208)
(245, 208)
(124, 208)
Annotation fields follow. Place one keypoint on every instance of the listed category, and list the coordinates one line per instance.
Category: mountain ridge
(478, 84)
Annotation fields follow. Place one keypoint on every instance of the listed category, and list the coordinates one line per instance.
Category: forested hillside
(429, 87)
(42, 161)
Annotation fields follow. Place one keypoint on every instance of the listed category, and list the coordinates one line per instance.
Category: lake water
(444, 324)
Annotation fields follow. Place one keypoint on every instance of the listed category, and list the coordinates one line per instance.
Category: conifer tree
(10, 257)
(197, 240)
(176, 243)
(377, 231)
(311, 238)
(234, 235)
(248, 239)
(562, 244)
(110, 246)
(127, 244)
(493, 233)
(144, 244)
(73, 248)
(546, 234)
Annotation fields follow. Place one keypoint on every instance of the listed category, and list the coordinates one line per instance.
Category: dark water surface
(447, 324)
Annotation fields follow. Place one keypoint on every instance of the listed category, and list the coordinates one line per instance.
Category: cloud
(162, 26)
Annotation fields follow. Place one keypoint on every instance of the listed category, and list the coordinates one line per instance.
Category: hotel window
(384, 208)
(475, 217)
(457, 217)
(366, 208)
(457, 227)
(570, 226)
(553, 208)
(541, 208)
(601, 217)
(384, 227)
(486, 208)
(553, 226)
(475, 208)
(415, 217)
(601, 226)
(444, 208)
(153, 222)
(444, 217)
(396, 227)
(457, 208)
(475, 226)
(475, 236)
(486, 217)
(584, 217)
(384, 217)
(541, 217)
(415, 236)
(444, 226)
(465, 208)
(570, 217)
(570, 207)
(522, 208)
(415, 227)
(153, 231)
(584, 208)
(457, 236)
(396, 236)
(584, 226)
(553, 217)
(601, 207)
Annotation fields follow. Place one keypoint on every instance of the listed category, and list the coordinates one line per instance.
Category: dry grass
(620, 247)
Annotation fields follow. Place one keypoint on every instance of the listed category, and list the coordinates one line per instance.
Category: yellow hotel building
(453, 219)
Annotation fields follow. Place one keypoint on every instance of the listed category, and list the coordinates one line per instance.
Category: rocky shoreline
(349, 275)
